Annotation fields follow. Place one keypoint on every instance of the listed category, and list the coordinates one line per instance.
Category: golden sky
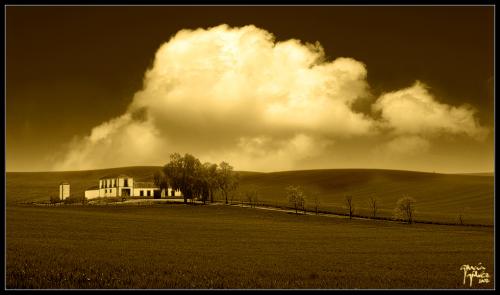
(264, 88)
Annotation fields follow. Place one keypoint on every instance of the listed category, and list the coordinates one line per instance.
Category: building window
(148, 193)
(141, 193)
(125, 182)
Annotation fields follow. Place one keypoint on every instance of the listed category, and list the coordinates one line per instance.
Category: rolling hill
(440, 197)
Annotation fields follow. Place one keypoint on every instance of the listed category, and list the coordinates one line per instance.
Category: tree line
(405, 206)
(196, 180)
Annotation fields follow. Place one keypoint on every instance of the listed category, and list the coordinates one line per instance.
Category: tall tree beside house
(183, 173)
(200, 188)
(211, 173)
(193, 179)
(207, 181)
(192, 176)
(227, 179)
(173, 171)
(161, 181)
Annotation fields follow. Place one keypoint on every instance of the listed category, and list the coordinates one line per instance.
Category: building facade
(125, 186)
(63, 190)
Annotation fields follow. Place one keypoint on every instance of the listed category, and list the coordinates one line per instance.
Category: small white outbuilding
(63, 190)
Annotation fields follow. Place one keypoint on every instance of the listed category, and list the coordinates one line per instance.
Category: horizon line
(135, 166)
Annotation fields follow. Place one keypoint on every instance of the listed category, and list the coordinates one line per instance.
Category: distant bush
(54, 199)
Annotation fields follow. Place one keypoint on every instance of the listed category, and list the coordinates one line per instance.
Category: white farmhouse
(63, 190)
(125, 186)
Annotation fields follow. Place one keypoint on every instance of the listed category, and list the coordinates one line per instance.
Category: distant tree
(373, 205)
(296, 197)
(54, 199)
(316, 203)
(460, 217)
(314, 195)
(349, 204)
(405, 209)
(252, 196)
(227, 180)
(302, 202)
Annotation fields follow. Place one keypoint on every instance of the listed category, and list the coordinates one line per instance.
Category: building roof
(64, 182)
(144, 185)
(115, 176)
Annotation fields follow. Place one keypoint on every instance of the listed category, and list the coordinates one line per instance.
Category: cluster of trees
(252, 197)
(196, 180)
(296, 198)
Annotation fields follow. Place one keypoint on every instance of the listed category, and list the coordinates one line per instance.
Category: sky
(263, 88)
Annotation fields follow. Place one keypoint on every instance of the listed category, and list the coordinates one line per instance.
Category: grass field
(216, 246)
(440, 197)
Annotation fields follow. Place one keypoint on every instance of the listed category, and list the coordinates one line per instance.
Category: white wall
(63, 191)
(92, 194)
(137, 192)
(108, 192)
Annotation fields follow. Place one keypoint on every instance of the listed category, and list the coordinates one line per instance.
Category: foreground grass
(177, 246)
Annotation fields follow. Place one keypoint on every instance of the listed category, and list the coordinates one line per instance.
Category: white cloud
(236, 94)
(414, 110)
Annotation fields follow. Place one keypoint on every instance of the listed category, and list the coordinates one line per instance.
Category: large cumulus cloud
(237, 94)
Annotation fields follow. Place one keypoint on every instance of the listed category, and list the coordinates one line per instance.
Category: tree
(373, 205)
(296, 197)
(405, 208)
(314, 194)
(349, 205)
(173, 171)
(227, 179)
(252, 196)
(460, 216)
(212, 179)
(183, 173)
(204, 183)
(161, 180)
(316, 203)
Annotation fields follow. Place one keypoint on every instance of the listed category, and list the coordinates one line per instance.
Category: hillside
(439, 197)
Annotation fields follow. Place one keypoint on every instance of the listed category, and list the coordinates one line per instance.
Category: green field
(217, 246)
(440, 197)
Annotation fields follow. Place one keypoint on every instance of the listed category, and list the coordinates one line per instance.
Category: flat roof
(115, 176)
